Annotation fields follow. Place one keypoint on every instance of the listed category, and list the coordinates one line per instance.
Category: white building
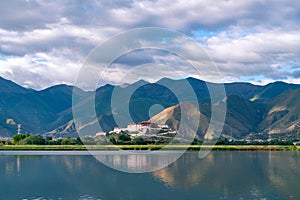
(142, 128)
(100, 134)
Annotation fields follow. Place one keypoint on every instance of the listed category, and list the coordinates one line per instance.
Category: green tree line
(125, 138)
(27, 139)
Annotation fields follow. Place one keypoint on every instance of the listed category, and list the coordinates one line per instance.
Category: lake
(220, 175)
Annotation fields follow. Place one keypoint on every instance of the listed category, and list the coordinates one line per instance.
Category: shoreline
(148, 147)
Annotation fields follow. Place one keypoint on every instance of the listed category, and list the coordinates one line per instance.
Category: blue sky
(43, 43)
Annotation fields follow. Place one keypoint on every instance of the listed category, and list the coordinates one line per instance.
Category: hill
(283, 114)
(251, 109)
(242, 117)
(272, 90)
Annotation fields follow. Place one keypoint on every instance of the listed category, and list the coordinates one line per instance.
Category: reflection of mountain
(250, 109)
(235, 175)
(184, 174)
(221, 175)
(287, 184)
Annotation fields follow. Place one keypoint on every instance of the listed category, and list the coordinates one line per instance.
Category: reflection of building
(137, 161)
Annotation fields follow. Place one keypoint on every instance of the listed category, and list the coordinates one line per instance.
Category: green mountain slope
(272, 90)
(283, 114)
(242, 117)
(250, 109)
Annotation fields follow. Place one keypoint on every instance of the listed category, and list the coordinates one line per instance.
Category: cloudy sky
(43, 43)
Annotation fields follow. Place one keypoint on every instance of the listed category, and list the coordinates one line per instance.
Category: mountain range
(252, 110)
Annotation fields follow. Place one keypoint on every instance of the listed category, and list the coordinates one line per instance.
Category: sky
(44, 43)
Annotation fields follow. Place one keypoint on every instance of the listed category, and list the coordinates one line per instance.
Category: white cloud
(256, 54)
(246, 38)
(40, 70)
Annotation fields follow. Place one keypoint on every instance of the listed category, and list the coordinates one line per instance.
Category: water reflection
(237, 174)
(9, 168)
(221, 175)
(284, 173)
(13, 164)
(137, 161)
(187, 172)
(83, 197)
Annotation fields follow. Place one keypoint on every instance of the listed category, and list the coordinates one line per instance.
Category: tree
(88, 141)
(17, 138)
(59, 141)
(124, 137)
(52, 142)
(33, 139)
(112, 140)
(48, 140)
(38, 139)
(7, 142)
(78, 141)
(139, 141)
(68, 141)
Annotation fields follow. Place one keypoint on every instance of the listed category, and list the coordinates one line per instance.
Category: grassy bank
(149, 147)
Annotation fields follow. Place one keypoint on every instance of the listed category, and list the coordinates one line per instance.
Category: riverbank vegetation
(117, 142)
(148, 147)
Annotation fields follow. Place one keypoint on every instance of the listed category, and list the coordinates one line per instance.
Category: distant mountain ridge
(251, 109)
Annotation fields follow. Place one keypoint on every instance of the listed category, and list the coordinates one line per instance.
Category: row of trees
(124, 138)
(225, 141)
(27, 139)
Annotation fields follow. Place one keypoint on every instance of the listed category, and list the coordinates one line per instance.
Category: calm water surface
(221, 175)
